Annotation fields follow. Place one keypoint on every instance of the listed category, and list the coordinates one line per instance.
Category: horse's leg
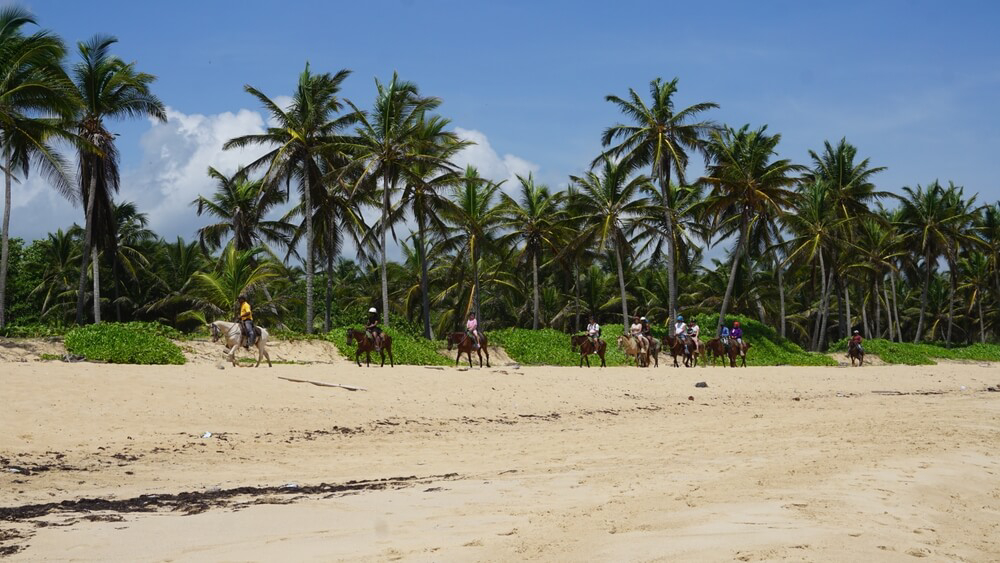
(487, 350)
(391, 362)
(458, 357)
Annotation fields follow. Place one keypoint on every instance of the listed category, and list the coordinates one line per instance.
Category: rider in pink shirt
(471, 329)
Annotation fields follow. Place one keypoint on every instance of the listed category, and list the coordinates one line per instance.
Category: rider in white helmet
(372, 329)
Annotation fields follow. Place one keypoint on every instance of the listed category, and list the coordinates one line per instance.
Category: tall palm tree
(611, 202)
(534, 220)
(748, 186)
(962, 235)
(61, 250)
(109, 88)
(242, 206)
(386, 143)
(423, 195)
(33, 89)
(127, 255)
(237, 273)
(975, 271)
(475, 223)
(177, 265)
(659, 137)
(303, 135)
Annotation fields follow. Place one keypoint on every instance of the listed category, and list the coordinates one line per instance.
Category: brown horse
(653, 351)
(717, 350)
(856, 352)
(677, 348)
(466, 346)
(366, 345)
(587, 347)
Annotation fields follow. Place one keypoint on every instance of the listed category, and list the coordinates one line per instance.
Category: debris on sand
(701, 384)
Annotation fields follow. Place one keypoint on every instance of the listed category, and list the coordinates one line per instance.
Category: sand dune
(498, 464)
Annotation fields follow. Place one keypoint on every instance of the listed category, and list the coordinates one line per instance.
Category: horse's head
(350, 337)
(451, 340)
(214, 329)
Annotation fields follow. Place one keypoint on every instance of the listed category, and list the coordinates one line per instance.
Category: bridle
(215, 332)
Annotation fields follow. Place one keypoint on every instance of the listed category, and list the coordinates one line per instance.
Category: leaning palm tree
(534, 220)
(748, 187)
(33, 88)
(387, 143)
(659, 137)
(242, 205)
(610, 202)
(303, 135)
(109, 88)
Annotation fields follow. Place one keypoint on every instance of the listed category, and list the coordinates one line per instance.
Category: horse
(234, 339)
(465, 346)
(856, 352)
(717, 350)
(366, 345)
(631, 348)
(677, 348)
(653, 350)
(587, 347)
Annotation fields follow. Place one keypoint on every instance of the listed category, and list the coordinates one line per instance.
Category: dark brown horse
(717, 350)
(466, 346)
(367, 345)
(677, 348)
(856, 352)
(587, 347)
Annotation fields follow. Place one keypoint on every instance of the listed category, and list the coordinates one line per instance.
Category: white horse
(628, 345)
(234, 339)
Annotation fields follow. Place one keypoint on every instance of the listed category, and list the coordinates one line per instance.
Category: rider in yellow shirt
(246, 321)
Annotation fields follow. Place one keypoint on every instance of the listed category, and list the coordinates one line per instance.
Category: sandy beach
(113, 463)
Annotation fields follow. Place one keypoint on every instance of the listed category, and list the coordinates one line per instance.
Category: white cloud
(490, 164)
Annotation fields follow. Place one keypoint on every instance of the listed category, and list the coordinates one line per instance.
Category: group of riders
(688, 334)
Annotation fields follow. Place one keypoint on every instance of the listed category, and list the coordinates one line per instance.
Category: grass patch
(550, 347)
(128, 343)
(923, 354)
(50, 357)
(406, 349)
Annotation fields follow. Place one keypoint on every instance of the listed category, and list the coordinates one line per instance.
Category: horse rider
(636, 330)
(593, 331)
(857, 340)
(737, 334)
(246, 322)
(694, 331)
(646, 332)
(681, 330)
(724, 337)
(372, 329)
(472, 330)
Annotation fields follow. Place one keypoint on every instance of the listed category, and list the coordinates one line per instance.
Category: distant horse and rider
(855, 351)
(467, 344)
(235, 337)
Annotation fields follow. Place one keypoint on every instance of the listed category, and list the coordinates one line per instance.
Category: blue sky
(912, 84)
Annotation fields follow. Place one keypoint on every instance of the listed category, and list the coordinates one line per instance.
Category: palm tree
(961, 231)
(32, 87)
(975, 271)
(422, 195)
(748, 188)
(610, 203)
(238, 273)
(386, 144)
(475, 221)
(534, 220)
(108, 88)
(303, 136)
(178, 263)
(242, 206)
(661, 138)
(129, 236)
(62, 250)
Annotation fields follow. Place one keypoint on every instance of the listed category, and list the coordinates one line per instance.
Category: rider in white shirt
(593, 330)
(681, 330)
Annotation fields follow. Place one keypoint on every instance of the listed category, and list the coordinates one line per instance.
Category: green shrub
(907, 353)
(550, 347)
(32, 331)
(406, 348)
(768, 349)
(128, 343)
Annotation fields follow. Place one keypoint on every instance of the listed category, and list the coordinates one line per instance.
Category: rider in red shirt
(857, 340)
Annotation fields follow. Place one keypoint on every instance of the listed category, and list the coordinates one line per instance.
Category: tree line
(814, 249)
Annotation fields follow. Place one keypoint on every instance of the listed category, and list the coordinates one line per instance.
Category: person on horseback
(246, 322)
(593, 331)
(472, 330)
(737, 334)
(373, 330)
(680, 331)
(636, 330)
(646, 333)
(724, 337)
(857, 340)
(694, 331)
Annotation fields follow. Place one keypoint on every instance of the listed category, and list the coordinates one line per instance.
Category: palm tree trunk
(621, 287)
(878, 311)
(888, 311)
(982, 326)
(781, 300)
(895, 306)
(671, 250)
(732, 275)
(534, 285)
(814, 343)
(95, 263)
(425, 301)
(761, 314)
(923, 299)
(88, 235)
(328, 304)
(115, 273)
(848, 324)
(310, 247)
(5, 242)
(864, 316)
(382, 234)
(576, 297)
(951, 301)
(826, 310)
(475, 276)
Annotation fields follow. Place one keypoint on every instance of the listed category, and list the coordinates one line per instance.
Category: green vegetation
(768, 349)
(551, 347)
(124, 343)
(909, 354)
(406, 348)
